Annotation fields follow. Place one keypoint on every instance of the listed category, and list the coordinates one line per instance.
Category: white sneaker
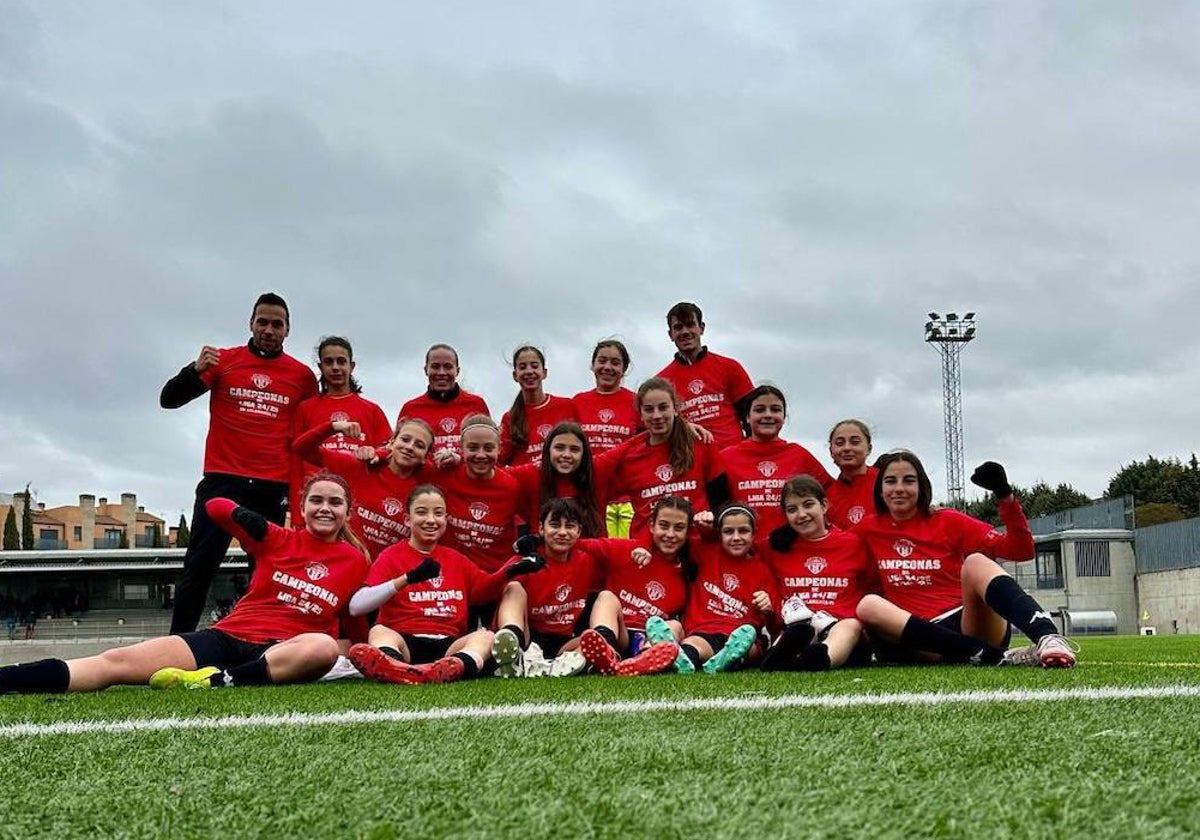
(1051, 651)
(506, 651)
(795, 610)
(343, 669)
(1054, 651)
(536, 663)
(568, 664)
(822, 622)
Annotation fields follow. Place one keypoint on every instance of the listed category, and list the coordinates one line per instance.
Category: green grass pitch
(1031, 765)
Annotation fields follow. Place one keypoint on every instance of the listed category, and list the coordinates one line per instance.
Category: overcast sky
(816, 177)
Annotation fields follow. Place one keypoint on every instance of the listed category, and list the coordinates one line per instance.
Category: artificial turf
(1114, 767)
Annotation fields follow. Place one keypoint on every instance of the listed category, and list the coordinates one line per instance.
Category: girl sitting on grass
(423, 591)
(283, 630)
(729, 602)
(822, 572)
(643, 580)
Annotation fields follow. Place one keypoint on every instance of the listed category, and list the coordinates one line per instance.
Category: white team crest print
(316, 571)
(730, 581)
(664, 472)
(606, 415)
(856, 514)
(815, 565)
(478, 510)
(261, 381)
(903, 548)
(655, 591)
(768, 468)
(436, 582)
(447, 424)
(696, 386)
(339, 417)
(544, 430)
(562, 593)
(392, 506)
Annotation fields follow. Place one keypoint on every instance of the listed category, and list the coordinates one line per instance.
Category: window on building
(137, 591)
(78, 533)
(47, 534)
(1091, 559)
(112, 537)
(1048, 563)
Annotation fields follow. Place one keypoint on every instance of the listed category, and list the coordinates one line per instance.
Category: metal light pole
(949, 335)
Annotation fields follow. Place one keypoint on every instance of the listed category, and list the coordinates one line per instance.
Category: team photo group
(622, 531)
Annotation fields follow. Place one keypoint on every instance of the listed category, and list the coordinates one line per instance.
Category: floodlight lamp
(933, 316)
(969, 316)
(970, 333)
(950, 316)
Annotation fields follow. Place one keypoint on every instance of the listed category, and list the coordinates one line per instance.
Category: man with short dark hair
(709, 386)
(254, 391)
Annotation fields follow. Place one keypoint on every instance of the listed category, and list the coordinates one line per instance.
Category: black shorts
(550, 645)
(217, 648)
(716, 641)
(425, 649)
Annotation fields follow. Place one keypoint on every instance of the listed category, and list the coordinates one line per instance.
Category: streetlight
(949, 335)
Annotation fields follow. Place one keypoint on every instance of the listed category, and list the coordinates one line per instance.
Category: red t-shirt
(300, 583)
(251, 403)
(444, 416)
(558, 592)
(657, 588)
(719, 600)
(539, 420)
(529, 484)
(920, 560)
(851, 500)
(708, 389)
(438, 606)
(480, 515)
(756, 471)
(324, 409)
(643, 471)
(608, 420)
(831, 574)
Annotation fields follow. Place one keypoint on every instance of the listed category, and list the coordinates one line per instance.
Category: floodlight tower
(949, 335)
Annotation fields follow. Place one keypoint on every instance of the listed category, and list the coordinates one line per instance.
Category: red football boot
(598, 653)
(377, 665)
(655, 659)
(446, 669)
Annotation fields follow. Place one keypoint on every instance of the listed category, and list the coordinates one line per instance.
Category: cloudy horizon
(817, 179)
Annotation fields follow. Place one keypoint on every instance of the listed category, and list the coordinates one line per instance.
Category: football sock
(520, 634)
(692, 654)
(392, 652)
(1006, 597)
(933, 638)
(815, 658)
(470, 666)
(248, 673)
(782, 655)
(45, 676)
(608, 635)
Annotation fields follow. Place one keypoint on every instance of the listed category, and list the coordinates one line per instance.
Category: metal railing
(1172, 545)
(48, 544)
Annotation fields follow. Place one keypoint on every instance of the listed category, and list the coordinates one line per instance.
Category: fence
(1107, 514)
(1173, 545)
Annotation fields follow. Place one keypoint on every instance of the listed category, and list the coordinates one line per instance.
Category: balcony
(1049, 582)
(107, 542)
(144, 541)
(49, 544)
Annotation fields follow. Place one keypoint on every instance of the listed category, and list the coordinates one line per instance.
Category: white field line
(749, 703)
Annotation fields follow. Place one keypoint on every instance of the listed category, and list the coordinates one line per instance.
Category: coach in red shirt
(254, 391)
(709, 386)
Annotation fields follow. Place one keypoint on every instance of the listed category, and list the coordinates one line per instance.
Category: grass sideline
(1108, 767)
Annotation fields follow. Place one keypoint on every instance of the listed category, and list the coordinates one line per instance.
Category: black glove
(783, 538)
(254, 524)
(427, 569)
(527, 545)
(526, 566)
(991, 476)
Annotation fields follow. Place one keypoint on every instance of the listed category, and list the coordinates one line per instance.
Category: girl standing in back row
(534, 412)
